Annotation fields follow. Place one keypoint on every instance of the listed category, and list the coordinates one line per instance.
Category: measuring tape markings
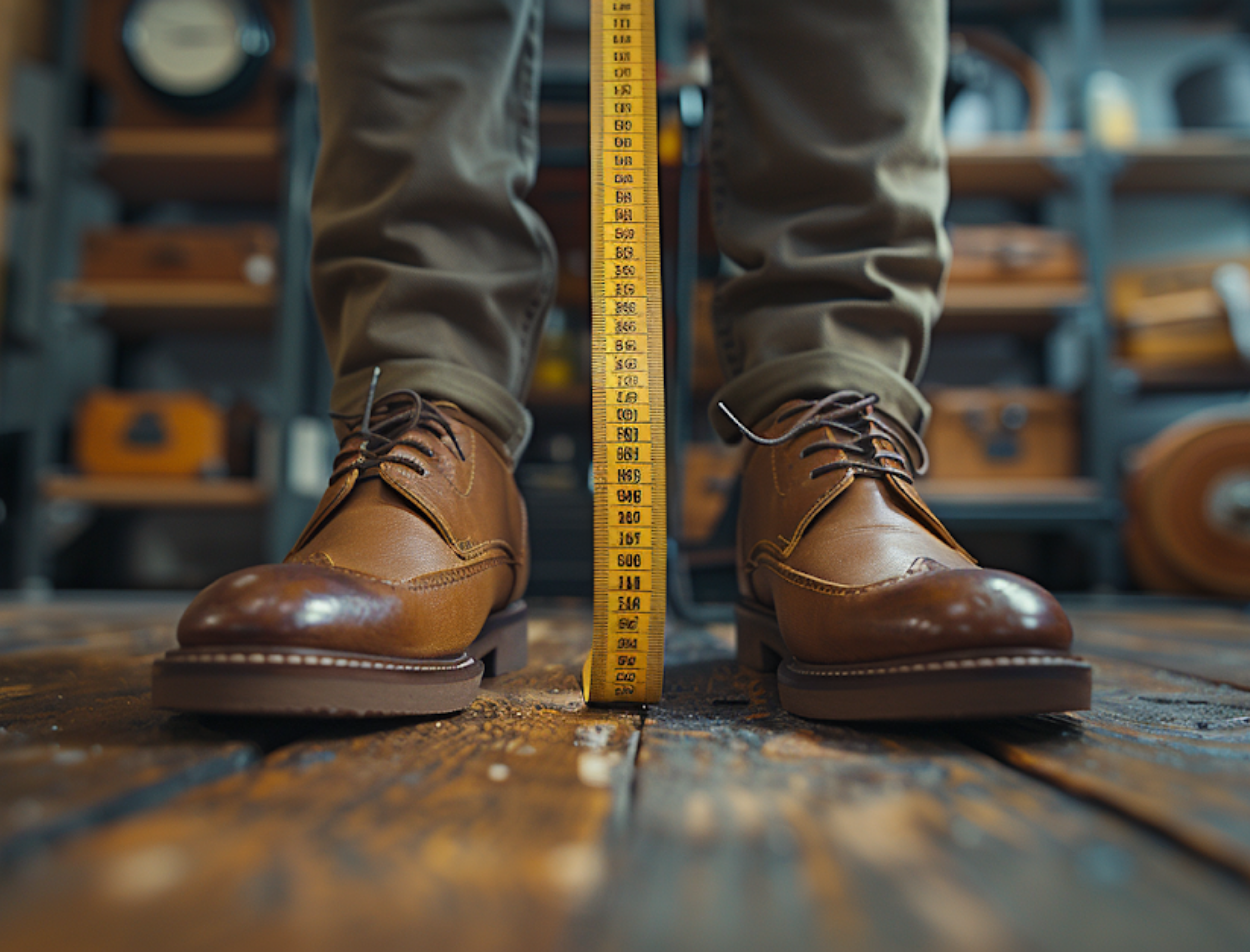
(626, 664)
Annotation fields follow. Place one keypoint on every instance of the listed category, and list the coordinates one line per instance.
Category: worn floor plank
(1170, 750)
(527, 823)
(79, 741)
(484, 830)
(1207, 642)
(140, 625)
(754, 829)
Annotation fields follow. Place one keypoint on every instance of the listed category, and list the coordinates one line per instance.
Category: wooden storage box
(239, 254)
(998, 254)
(1003, 433)
(149, 434)
(1171, 315)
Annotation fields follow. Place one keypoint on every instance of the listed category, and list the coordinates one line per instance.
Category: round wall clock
(197, 56)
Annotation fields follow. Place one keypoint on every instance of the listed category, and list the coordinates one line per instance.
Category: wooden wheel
(1189, 506)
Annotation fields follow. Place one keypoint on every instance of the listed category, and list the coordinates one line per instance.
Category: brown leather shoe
(854, 590)
(402, 591)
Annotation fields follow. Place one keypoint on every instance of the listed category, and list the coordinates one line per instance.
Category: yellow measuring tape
(626, 663)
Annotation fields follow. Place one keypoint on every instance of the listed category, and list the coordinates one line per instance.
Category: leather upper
(419, 537)
(833, 537)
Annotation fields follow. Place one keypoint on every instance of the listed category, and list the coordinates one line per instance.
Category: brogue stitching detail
(825, 587)
(773, 453)
(472, 461)
(927, 516)
(819, 506)
(471, 550)
(422, 583)
(442, 577)
(324, 511)
(392, 476)
(1000, 661)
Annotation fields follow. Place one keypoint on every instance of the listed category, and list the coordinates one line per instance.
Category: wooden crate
(1016, 433)
(1169, 314)
(239, 254)
(149, 434)
(997, 254)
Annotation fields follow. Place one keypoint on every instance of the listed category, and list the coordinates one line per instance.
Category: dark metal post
(1095, 174)
(287, 510)
(681, 403)
(34, 303)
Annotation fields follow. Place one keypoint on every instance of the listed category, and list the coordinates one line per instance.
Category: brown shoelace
(847, 413)
(388, 423)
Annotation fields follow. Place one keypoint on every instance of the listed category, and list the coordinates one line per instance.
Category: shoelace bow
(847, 414)
(388, 423)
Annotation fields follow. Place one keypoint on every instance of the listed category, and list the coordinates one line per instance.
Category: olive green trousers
(828, 190)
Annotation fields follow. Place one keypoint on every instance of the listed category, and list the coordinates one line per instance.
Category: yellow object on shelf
(149, 434)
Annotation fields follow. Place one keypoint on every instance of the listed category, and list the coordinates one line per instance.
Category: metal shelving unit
(1030, 168)
(250, 166)
(1024, 168)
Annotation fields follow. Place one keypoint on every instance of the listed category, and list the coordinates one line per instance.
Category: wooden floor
(715, 821)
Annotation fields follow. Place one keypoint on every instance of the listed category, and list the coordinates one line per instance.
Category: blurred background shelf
(1192, 163)
(1031, 353)
(147, 307)
(200, 165)
(154, 492)
(1008, 490)
(1028, 309)
(1148, 377)
(1025, 167)
(1015, 167)
(1018, 501)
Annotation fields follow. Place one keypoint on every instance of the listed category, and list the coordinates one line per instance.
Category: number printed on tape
(627, 657)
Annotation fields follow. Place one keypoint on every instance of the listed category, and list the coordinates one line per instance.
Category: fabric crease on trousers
(828, 183)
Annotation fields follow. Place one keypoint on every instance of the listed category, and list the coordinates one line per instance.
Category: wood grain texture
(484, 830)
(127, 625)
(79, 742)
(720, 822)
(1170, 751)
(196, 165)
(754, 829)
(1198, 639)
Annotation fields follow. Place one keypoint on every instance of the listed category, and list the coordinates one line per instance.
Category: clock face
(194, 49)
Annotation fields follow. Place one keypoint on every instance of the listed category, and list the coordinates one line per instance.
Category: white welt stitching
(221, 657)
(1005, 661)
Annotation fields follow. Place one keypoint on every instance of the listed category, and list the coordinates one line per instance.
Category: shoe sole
(953, 685)
(310, 682)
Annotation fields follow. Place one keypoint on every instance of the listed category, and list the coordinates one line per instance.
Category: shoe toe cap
(287, 604)
(922, 613)
(987, 607)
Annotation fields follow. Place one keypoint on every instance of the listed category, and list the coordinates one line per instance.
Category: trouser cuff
(478, 395)
(753, 395)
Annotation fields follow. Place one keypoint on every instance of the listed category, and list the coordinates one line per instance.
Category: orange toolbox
(147, 433)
